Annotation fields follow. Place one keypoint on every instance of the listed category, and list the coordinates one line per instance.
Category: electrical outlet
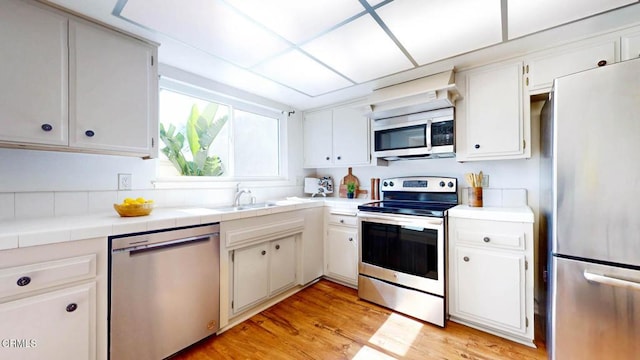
(124, 181)
(485, 181)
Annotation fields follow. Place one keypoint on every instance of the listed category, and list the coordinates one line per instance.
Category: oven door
(402, 249)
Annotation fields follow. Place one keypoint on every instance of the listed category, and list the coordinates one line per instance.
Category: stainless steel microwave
(429, 134)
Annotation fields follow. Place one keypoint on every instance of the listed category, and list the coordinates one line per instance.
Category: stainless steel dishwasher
(164, 291)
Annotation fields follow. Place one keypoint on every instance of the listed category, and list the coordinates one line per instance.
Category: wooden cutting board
(347, 179)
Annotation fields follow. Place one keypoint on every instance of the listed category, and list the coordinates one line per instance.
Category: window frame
(190, 89)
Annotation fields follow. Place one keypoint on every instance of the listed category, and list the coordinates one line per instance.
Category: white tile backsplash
(494, 197)
(34, 204)
(71, 203)
(102, 201)
(7, 206)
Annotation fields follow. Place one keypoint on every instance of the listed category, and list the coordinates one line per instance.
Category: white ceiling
(309, 53)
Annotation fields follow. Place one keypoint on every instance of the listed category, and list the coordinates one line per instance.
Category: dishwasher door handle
(165, 245)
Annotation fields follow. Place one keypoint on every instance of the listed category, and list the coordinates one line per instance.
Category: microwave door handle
(428, 135)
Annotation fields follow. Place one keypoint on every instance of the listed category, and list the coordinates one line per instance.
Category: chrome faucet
(239, 192)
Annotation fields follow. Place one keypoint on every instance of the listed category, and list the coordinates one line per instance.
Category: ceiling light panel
(298, 71)
(527, 17)
(438, 29)
(209, 25)
(298, 21)
(360, 50)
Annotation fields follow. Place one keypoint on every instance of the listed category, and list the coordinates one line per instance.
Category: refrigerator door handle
(608, 280)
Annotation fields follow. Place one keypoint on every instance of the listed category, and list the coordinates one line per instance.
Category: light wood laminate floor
(328, 321)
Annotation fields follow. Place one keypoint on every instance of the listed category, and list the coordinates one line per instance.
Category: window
(206, 134)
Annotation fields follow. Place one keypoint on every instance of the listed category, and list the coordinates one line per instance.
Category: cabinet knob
(72, 307)
(23, 281)
(350, 239)
(339, 157)
(89, 133)
(602, 63)
(328, 158)
(46, 127)
(486, 239)
(264, 252)
(341, 221)
(477, 146)
(277, 247)
(466, 258)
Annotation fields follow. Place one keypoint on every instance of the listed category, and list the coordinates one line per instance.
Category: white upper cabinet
(541, 69)
(113, 90)
(492, 118)
(336, 138)
(75, 85)
(33, 49)
(630, 46)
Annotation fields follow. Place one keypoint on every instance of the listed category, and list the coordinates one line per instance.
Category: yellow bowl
(127, 210)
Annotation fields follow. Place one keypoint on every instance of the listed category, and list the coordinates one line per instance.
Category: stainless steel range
(402, 246)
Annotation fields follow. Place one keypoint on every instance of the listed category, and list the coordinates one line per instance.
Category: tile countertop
(41, 231)
(514, 214)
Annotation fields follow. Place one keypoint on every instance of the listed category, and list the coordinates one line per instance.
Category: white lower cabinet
(491, 274)
(490, 287)
(53, 301)
(54, 325)
(341, 248)
(263, 270)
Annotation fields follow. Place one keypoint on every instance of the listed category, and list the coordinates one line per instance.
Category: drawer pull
(277, 247)
(341, 221)
(264, 252)
(72, 307)
(350, 239)
(23, 281)
(466, 258)
(89, 133)
(46, 127)
(486, 239)
(602, 63)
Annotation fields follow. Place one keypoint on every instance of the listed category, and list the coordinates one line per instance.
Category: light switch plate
(124, 181)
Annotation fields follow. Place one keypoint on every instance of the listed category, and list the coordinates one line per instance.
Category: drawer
(494, 234)
(346, 220)
(22, 279)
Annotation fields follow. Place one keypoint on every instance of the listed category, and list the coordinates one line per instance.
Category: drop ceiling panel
(209, 25)
(298, 21)
(298, 71)
(527, 17)
(360, 50)
(438, 29)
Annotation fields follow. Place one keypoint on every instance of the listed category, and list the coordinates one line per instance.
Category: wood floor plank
(329, 321)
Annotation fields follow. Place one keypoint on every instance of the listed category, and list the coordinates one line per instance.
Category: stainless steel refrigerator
(590, 213)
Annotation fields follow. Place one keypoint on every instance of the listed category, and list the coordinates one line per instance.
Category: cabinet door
(490, 288)
(350, 137)
(113, 91)
(540, 71)
(250, 276)
(33, 49)
(342, 254)
(282, 267)
(495, 114)
(55, 325)
(630, 45)
(318, 139)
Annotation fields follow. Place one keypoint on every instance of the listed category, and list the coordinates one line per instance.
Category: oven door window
(401, 138)
(407, 249)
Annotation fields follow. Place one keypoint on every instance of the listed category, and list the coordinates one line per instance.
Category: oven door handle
(401, 221)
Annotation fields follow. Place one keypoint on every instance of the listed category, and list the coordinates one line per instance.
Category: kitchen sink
(247, 207)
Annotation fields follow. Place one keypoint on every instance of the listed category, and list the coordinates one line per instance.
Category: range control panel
(420, 184)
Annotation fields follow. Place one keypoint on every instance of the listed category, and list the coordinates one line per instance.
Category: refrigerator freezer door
(597, 157)
(597, 318)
